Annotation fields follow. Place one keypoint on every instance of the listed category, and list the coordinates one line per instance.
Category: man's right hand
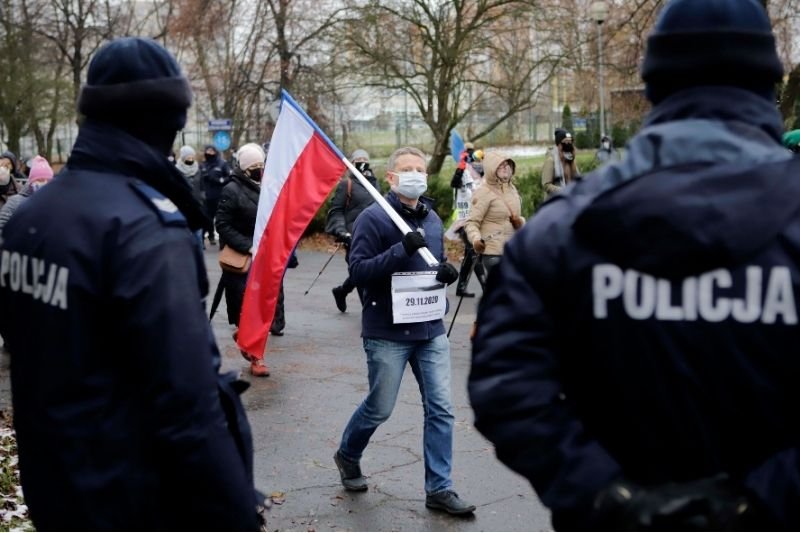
(345, 238)
(479, 245)
(413, 241)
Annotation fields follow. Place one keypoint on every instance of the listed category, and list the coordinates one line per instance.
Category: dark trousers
(485, 264)
(469, 261)
(347, 284)
(234, 297)
(211, 211)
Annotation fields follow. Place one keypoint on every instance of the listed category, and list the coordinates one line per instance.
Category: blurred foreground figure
(636, 355)
(123, 422)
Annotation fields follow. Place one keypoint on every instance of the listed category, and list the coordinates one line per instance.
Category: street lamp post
(599, 12)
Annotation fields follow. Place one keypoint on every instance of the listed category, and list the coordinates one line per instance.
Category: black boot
(340, 296)
(461, 290)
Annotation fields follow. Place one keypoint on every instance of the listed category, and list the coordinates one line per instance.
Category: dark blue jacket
(216, 173)
(377, 253)
(644, 324)
(122, 421)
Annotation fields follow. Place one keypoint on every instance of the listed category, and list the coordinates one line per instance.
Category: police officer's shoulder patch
(167, 211)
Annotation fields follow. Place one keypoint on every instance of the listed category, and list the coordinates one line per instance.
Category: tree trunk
(440, 152)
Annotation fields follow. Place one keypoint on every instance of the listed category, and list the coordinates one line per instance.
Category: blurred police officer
(636, 357)
(121, 418)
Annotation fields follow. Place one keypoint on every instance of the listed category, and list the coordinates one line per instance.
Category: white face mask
(410, 184)
(5, 176)
(606, 145)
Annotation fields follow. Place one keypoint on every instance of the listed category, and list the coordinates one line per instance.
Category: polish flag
(302, 168)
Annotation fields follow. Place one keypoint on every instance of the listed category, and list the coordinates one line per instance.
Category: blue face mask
(411, 184)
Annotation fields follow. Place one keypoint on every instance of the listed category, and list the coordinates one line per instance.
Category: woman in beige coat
(496, 210)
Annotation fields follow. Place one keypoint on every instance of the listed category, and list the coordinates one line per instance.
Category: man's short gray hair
(406, 150)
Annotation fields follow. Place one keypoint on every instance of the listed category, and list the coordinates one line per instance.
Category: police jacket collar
(729, 104)
(703, 185)
(101, 147)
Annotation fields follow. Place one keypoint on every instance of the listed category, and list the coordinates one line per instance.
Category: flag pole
(394, 215)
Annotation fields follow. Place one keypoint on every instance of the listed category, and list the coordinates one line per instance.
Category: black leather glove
(446, 273)
(709, 504)
(458, 179)
(413, 241)
(345, 238)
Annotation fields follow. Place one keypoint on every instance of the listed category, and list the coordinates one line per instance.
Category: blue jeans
(386, 362)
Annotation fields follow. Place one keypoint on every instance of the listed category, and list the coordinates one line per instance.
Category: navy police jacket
(644, 324)
(376, 253)
(122, 421)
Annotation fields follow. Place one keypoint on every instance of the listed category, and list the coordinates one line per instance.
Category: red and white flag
(302, 168)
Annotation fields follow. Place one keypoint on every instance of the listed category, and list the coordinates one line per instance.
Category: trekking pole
(461, 299)
(453, 323)
(338, 245)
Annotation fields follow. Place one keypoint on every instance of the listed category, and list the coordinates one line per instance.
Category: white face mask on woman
(411, 184)
(5, 176)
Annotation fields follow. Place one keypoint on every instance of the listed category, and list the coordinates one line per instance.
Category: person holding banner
(466, 179)
(404, 302)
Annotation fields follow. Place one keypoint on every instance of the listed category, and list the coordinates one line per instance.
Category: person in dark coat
(636, 354)
(236, 222)
(216, 174)
(349, 200)
(606, 153)
(122, 420)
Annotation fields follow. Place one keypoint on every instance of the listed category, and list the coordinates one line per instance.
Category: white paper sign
(417, 297)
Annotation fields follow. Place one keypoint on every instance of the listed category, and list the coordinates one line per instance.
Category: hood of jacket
(491, 161)
(705, 184)
(101, 147)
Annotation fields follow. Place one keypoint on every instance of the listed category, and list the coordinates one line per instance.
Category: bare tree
(78, 28)
(453, 56)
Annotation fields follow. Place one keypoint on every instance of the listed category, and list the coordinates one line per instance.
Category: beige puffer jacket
(490, 216)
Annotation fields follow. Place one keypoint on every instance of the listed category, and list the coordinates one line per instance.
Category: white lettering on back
(707, 296)
(25, 274)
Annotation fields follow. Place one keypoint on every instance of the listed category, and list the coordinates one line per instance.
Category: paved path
(318, 379)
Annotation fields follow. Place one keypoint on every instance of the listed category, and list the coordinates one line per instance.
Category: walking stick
(453, 323)
(461, 299)
(339, 245)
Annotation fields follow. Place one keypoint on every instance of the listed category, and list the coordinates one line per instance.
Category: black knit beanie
(711, 42)
(136, 85)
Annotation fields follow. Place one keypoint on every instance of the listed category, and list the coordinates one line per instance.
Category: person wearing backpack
(349, 200)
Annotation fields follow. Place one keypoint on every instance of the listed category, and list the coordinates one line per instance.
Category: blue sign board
(220, 124)
(579, 124)
(222, 140)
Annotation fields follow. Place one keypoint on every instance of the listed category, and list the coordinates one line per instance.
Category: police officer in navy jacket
(122, 419)
(636, 355)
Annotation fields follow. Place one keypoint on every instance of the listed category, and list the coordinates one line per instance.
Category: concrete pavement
(318, 379)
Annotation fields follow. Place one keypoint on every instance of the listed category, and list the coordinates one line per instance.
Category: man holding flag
(404, 301)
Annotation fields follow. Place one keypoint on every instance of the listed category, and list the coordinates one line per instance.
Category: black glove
(413, 241)
(710, 504)
(345, 238)
(446, 273)
(457, 182)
